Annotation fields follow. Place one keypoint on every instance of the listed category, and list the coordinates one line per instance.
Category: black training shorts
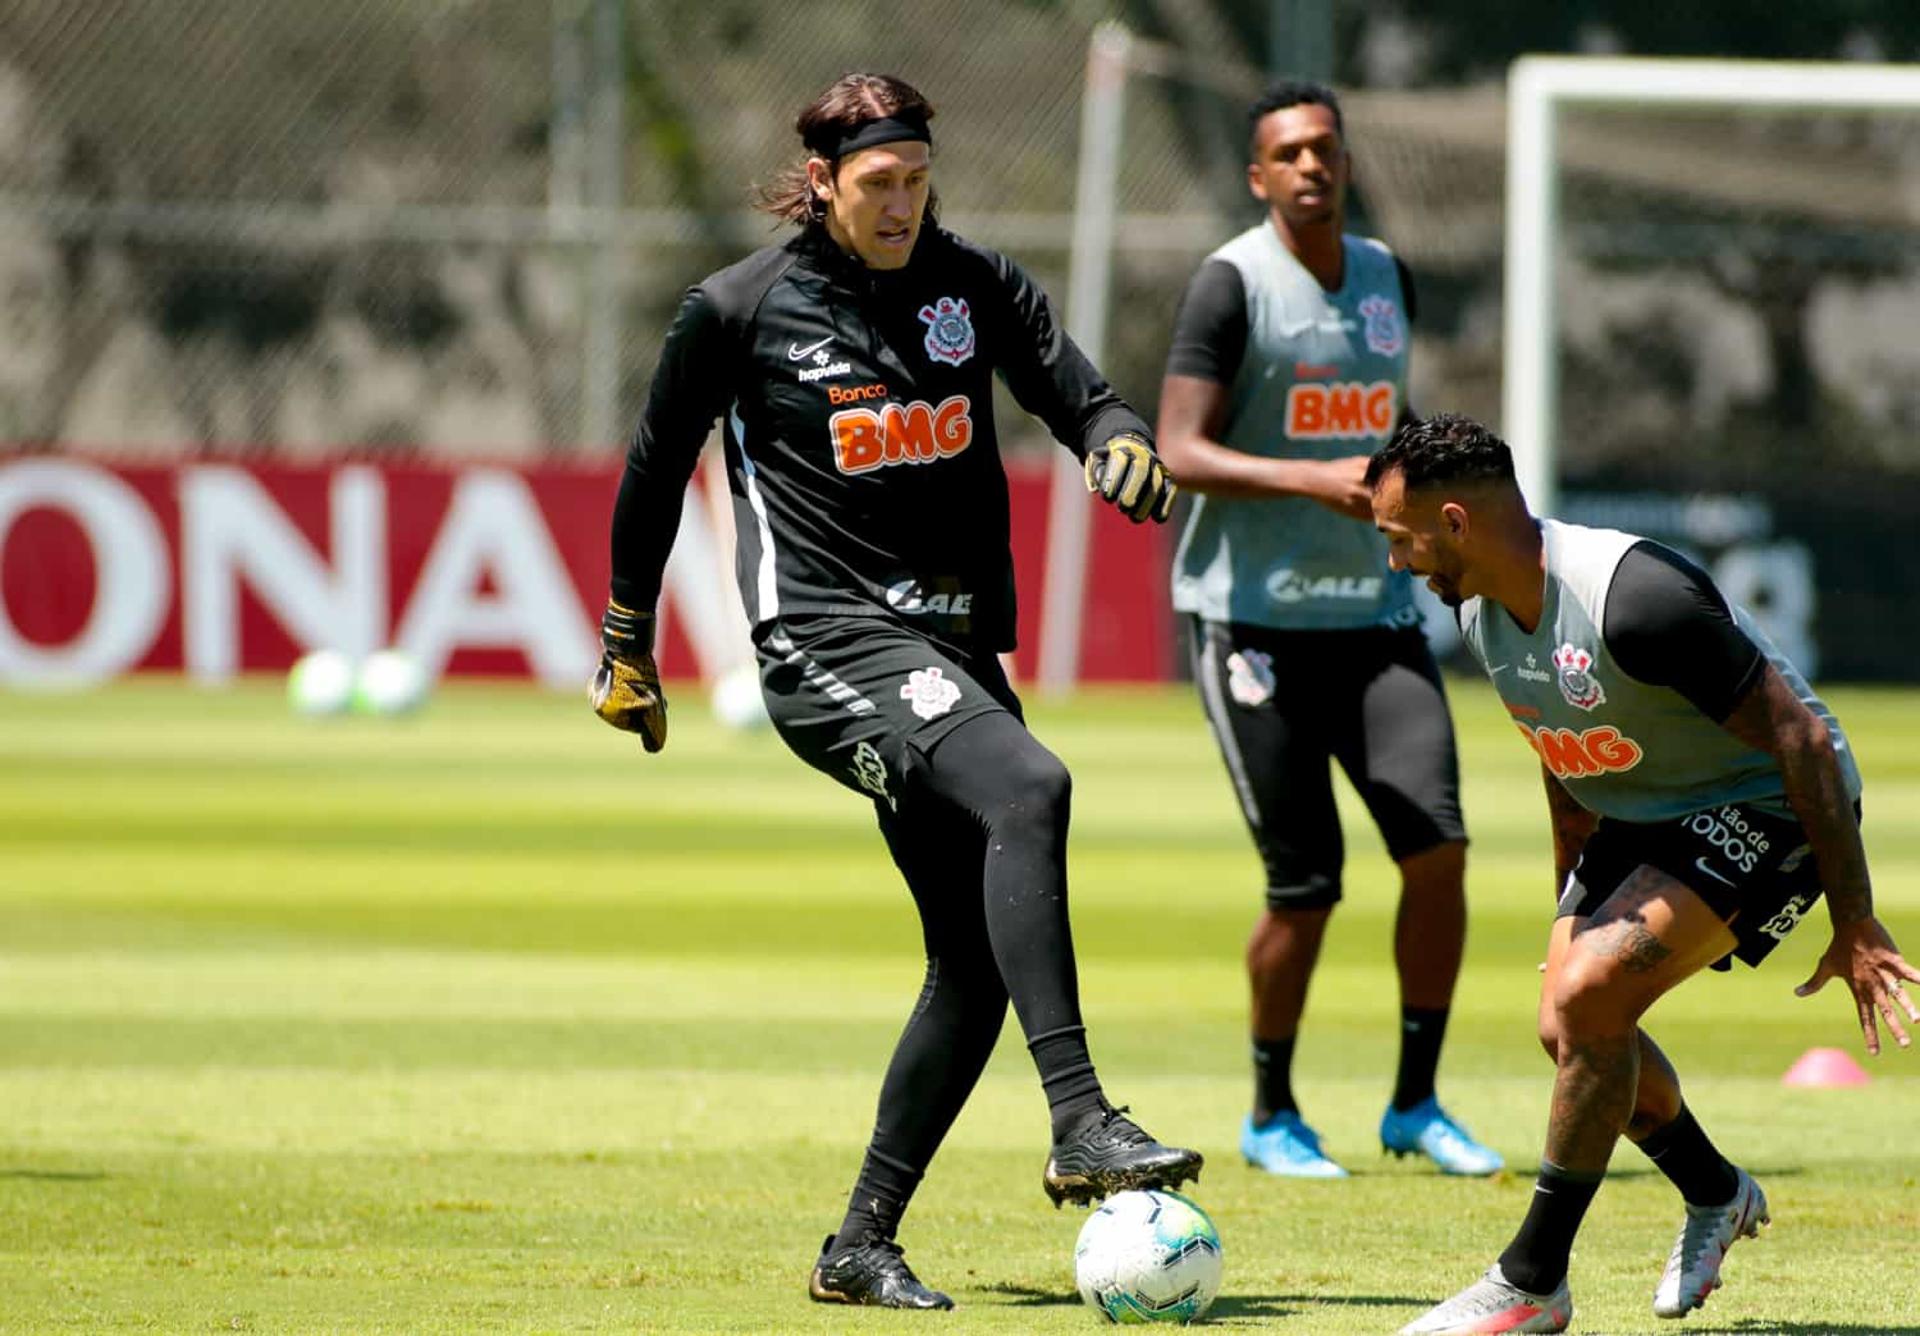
(1283, 704)
(1753, 867)
(861, 699)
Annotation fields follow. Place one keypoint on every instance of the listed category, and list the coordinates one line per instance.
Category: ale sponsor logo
(911, 597)
(1290, 586)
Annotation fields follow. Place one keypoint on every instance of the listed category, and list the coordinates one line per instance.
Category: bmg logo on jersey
(1344, 410)
(865, 439)
(1571, 755)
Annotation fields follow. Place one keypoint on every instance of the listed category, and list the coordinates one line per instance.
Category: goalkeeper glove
(626, 687)
(1130, 477)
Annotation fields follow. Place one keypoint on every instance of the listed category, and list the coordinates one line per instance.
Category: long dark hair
(850, 101)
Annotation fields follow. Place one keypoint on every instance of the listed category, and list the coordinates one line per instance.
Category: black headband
(835, 142)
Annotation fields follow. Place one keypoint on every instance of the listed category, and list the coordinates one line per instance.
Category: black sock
(1536, 1260)
(1421, 1030)
(880, 1197)
(1067, 1075)
(1272, 1079)
(1682, 1152)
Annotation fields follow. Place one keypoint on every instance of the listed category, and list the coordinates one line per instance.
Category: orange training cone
(1826, 1067)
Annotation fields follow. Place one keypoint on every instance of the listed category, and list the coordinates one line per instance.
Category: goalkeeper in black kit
(852, 366)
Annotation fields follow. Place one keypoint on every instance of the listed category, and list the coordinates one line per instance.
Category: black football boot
(1109, 1153)
(871, 1272)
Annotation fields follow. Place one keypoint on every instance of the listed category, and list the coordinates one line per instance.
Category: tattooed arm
(1771, 718)
(1572, 824)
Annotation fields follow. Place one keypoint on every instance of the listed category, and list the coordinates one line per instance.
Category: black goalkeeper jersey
(858, 419)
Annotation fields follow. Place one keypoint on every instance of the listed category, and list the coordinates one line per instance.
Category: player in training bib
(1288, 367)
(1702, 798)
(853, 367)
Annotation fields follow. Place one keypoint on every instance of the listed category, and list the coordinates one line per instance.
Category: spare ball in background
(391, 681)
(737, 702)
(320, 683)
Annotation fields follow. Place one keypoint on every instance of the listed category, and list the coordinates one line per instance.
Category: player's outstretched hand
(626, 686)
(1130, 477)
(1864, 955)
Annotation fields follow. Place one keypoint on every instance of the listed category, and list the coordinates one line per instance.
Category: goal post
(1115, 55)
(1538, 88)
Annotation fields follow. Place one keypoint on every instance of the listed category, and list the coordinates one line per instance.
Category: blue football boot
(1287, 1146)
(1427, 1129)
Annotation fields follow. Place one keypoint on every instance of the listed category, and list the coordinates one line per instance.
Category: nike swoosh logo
(1498, 668)
(796, 354)
(1701, 863)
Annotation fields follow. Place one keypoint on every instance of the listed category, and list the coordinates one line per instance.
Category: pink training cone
(1826, 1067)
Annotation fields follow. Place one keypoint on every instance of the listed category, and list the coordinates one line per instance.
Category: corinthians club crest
(1383, 328)
(949, 330)
(1573, 669)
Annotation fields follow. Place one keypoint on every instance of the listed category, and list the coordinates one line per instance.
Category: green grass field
(486, 1021)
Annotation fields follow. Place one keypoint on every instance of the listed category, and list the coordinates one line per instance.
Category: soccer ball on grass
(390, 681)
(1148, 1257)
(321, 683)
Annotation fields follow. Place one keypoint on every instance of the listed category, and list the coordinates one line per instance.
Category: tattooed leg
(1657, 1099)
(1651, 933)
(1592, 1100)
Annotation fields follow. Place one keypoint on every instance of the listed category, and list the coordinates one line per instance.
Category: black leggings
(981, 837)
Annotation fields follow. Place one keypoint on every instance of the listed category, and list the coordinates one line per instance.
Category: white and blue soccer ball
(1148, 1257)
(320, 683)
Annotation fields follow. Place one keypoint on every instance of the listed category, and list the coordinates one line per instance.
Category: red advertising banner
(219, 568)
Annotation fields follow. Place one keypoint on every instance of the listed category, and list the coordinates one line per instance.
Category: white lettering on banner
(494, 526)
(131, 590)
(232, 529)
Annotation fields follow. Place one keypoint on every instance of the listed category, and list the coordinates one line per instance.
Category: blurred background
(324, 325)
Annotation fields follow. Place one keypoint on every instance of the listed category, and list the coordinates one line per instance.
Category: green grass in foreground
(485, 1021)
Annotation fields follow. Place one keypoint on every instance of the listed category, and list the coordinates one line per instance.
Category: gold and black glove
(1130, 477)
(626, 686)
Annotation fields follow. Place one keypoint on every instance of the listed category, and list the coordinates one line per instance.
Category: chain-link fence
(460, 226)
(450, 225)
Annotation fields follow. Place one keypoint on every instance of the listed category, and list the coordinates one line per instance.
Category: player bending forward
(1702, 798)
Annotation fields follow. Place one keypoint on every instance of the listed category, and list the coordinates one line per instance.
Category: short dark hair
(1291, 93)
(1444, 448)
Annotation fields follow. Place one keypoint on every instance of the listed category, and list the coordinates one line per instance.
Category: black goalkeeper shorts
(1285, 704)
(1754, 868)
(861, 699)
